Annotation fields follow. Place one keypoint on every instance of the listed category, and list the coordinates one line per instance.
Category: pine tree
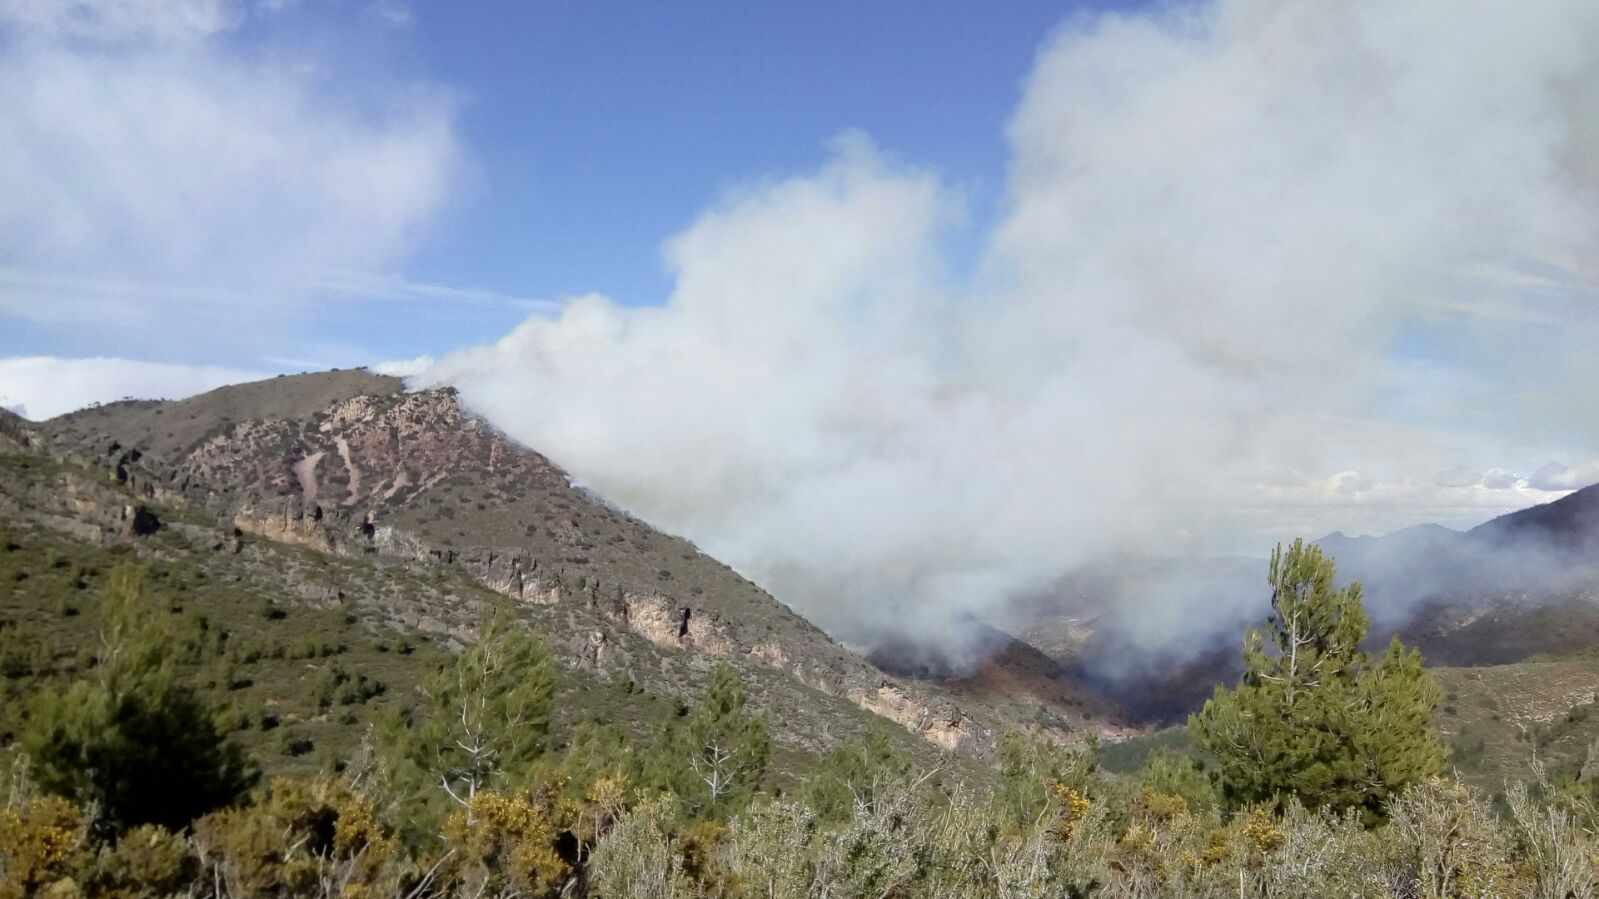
(713, 756)
(1166, 774)
(131, 741)
(485, 715)
(1314, 716)
(855, 774)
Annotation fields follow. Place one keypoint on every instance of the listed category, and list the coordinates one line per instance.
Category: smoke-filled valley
(1156, 634)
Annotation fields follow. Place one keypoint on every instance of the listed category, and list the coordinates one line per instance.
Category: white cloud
(156, 185)
(394, 289)
(121, 20)
(1221, 219)
(41, 387)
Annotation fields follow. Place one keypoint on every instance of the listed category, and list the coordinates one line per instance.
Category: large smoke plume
(1263, 269)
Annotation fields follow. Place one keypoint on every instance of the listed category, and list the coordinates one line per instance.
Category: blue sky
(597, 134)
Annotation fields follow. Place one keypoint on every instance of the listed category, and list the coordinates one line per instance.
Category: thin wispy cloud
(396, 288)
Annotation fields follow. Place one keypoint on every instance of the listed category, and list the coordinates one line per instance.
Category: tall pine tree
(714, 755)
(1315, 717)
(131, 741)
(485, 716)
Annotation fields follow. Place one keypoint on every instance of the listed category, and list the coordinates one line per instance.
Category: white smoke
(1259, 261)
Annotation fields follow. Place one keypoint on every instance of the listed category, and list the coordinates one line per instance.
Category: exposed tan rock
(288, 523)
(305, 475)
(655, 617)
(594, 651)
(945, 726)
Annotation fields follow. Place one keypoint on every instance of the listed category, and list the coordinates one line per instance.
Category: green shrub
(146, 861)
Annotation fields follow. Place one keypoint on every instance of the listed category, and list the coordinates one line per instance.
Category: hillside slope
(299, 650)
(349, 465)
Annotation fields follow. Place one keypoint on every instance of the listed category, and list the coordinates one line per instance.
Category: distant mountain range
(1522, 584)
(1539, 549)
(1155, 635)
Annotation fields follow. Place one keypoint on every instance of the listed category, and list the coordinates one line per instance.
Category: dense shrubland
(1320, 776)
(554, 835)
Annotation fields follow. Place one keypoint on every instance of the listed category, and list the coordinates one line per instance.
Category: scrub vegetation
(1318, 775)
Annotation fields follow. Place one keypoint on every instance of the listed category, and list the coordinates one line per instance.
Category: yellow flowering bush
(508, 840)
(148, 860)
(1072, 805)
(1161, 807)
(43, 841)
(1261, 834)
(299, 837)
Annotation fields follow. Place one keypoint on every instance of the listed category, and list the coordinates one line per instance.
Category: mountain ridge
(353, 465)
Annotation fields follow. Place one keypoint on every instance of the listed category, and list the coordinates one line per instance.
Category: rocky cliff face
(354, 467)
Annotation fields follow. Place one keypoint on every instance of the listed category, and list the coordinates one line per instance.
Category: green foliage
(234, 661)
(637, 859)
(1460, 846)
(131, 740)
(337, 684)
(1129, 756)
(909, 843)
(1030, 765)
(855, 773)
(713, 757)
(1442, 840)
(596, 747)
(1177, 775)
(485, 715)
(1315, 718)
(146, 861)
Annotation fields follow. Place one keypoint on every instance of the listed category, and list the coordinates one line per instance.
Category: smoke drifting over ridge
(1258, 261)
